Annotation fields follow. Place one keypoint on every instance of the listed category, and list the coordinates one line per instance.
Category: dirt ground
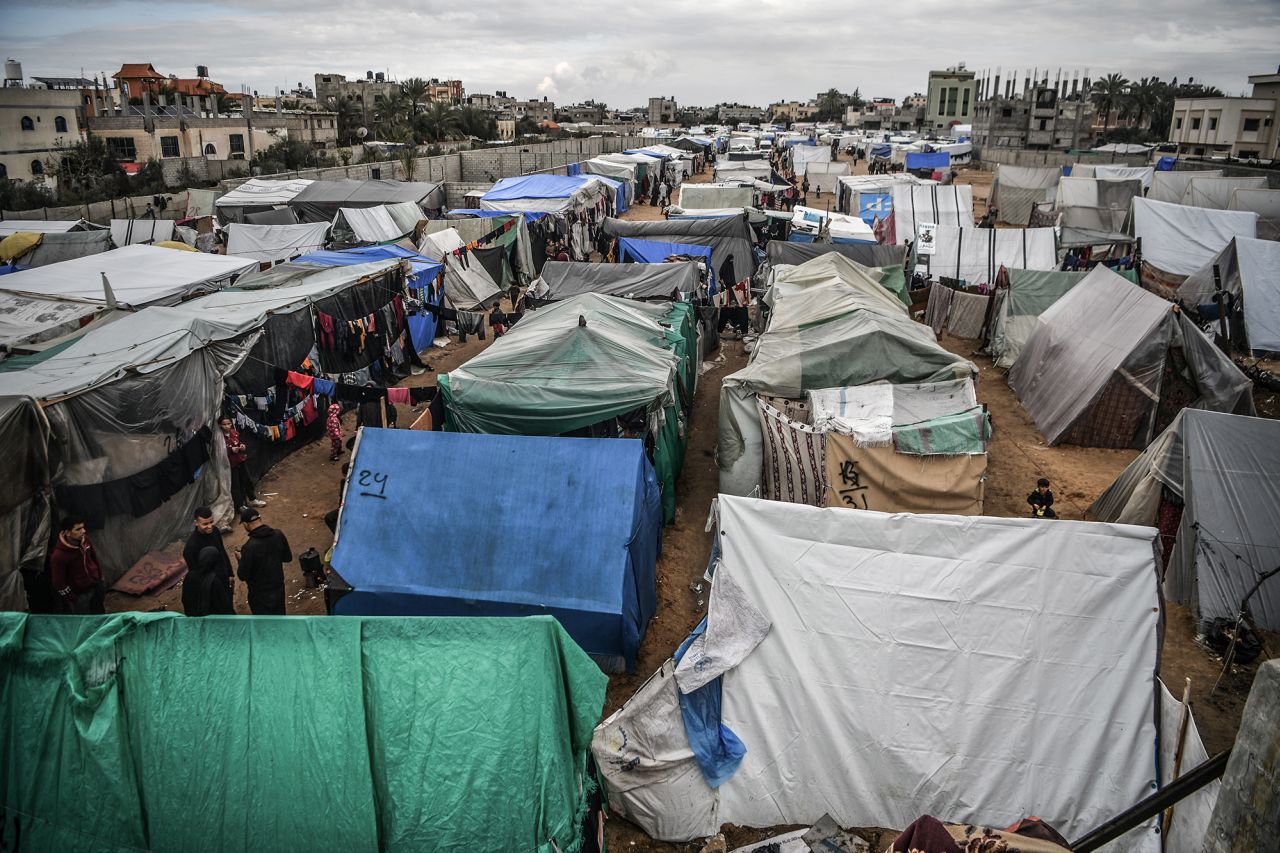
(303, 487)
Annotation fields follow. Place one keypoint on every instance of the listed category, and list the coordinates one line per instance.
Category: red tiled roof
(138, 71)
(196, 86)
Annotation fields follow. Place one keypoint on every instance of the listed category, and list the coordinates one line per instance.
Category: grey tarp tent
(633, 281)
(1110, 365)
(781, 252)
(1021, 297)
(67, 246)
(258, 195)
(24, 496)
(728, 236)
(832, 324)
(320, 201)
(1016, 191)
(1250, 270)
(1225, 470)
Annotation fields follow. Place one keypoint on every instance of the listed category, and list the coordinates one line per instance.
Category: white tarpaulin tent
(825, 177)
(1170, 186)
(1107, 172)
(1265, 203)
(129, 232)
(43, 226)
(1215, 193)
(757, 169)
(1093, 371)
(1225, 470)
(715, 196)
(975, 255)
(441, 243)
(803, 155)
(853, 648)
(937, 203)
(275, 242)
(258, 194)
(809, 220)
(1250, 269)
(1016, 190)
(1178, 239)
(380, 224)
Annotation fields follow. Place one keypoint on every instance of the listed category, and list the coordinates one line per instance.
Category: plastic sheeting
(833, 324)
(468, 285)
(129, 232)
(1265, 203)
(1114, 172)
(43, 226)
(784, 253)
(1226, 469)
(1179, 240)
(928, 160)
(192, 732)
(1171, 186)
(1250, 269)
(975, 255)
(546, 193)
(710, 196)
(730, 239)
(54, 248)
(1107, 330)
(24, 498)
(381, 224)
(803, 155)
(1011, 615)
(937, 203)
(1215, 193)
(586, 557)
(275, 242)
(257, 195)
(1029, 294)
(1018, 189)
(631, 281)
(321, 200)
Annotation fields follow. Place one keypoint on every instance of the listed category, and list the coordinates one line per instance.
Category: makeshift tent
(505, 244)
(1112, 172)
(258, 195)
(321, 200)
(557, 194)
(468, 285)
(200, 202)
(824, 177)
(275, 242)
(55, 247)
(586, 557)
(1021, 297)
(812, 222)
(703, 196)
(730, 239)
(802, 155)
(1110, 365)
(755, 169)
(1178, 240)
(44, 226)
(975, 255)
(783, 253)
(1016, 190)
(870, 196)
(127, 232)
(1250, 271)
(269, 706)
(624, 172)
(384, 223)
(1171, 186)
(929, 160)
(1215, 193)
(845, 647)
(937, 203)
(560, 280)
(275, 216)
(24, 497)
(588, 365)
(832, 324)
(1094, 211)
(44, 302)
(1265, 203)
(1211, 483)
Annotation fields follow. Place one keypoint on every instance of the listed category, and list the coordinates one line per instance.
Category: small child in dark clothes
(1041, 500)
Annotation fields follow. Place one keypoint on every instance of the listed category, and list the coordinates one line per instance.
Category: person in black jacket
(206, 535)
(1041, 500)
(205, 592)
(262, 562)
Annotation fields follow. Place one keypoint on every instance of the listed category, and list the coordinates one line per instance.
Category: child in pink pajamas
(333, 425)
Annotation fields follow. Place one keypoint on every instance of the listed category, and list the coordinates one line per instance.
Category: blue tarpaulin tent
(929, 160)
(549, 187)
(422, 327)
(568, 527)
(655, 252)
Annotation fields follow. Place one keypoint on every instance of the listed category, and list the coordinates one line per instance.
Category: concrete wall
(989, 158)
(1230, 170)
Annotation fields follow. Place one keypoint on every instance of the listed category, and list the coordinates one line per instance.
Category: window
(1248, 155)
(27, 123)
(1195, 124)
(210, 150)
(4, 171)
(1044, 124)
(1177, 123)
(1251, 125)
(1213, 124)
(952, 92)
(375, 173)
(60, 124)
(1007, 112)
(122, 147)
(964, 110)
(169, 146)
(37, 168)
(236, 141)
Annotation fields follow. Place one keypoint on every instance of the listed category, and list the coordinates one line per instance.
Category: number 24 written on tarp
(370, 481)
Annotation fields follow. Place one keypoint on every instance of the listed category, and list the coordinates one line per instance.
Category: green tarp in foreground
(158, 732)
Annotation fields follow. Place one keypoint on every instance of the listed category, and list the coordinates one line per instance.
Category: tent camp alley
(742, 487)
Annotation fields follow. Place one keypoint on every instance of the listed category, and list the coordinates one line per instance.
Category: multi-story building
(792, 111)
(915, 99)
(35, 123)
(445, 91)
(179, 131)
(662, 110)
(506, 129)
(587, 111)
(735, 113)
(1245, 128)
(1039, 118)
(951, 99)
(539, 111)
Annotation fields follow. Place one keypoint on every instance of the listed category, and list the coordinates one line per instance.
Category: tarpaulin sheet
(55, 248)
(321, 200)
(632, 281)
(258, 194)
(24, 497)
(1250, 269)
(127, 232)
(1030, 294)
(1017, 190)
(423, 269)
(275, 242)
(1215, 193)
(975, 255)
(881, 478)
(730, 239)
(586, 557)
(1171, 186)
(1179, 240)
(702, 196)
(548, 193)
(1112, 172)
(781, 252)
(884, 630)
(379, 224)
(928, 160)
(42, 226)
(212, 733)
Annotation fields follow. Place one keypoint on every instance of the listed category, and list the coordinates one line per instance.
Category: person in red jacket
(73, 570)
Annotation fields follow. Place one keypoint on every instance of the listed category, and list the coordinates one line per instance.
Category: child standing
(333, 425)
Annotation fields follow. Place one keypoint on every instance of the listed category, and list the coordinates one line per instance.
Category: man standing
(262, 562)
(74, 571)
(664, 193)
(242, 491)
(204, 536)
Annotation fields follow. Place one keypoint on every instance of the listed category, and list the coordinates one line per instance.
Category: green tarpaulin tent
(159, 732)
(582, 361)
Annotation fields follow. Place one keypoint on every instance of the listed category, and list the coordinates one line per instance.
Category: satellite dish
(362, 132)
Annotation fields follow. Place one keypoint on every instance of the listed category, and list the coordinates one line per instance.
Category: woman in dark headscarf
(204, 593)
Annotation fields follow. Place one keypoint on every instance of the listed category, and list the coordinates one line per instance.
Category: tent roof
(43, 226)
(730, 237)
(537, 186)
(380, 223)
(782, 252)
(56, 247)
(355, 193)
(1251, 270)
(424, 268)
(274, 242)
(258, 192)
(634, 281)
(1179, 239)
(569, 558)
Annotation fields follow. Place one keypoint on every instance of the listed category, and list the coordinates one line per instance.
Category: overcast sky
(701, 52)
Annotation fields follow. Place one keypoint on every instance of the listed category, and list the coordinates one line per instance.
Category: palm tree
(438, 123)
(415, 89)
(348, 119)
(1107, 95)
(1144, 96)
(391, 115)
